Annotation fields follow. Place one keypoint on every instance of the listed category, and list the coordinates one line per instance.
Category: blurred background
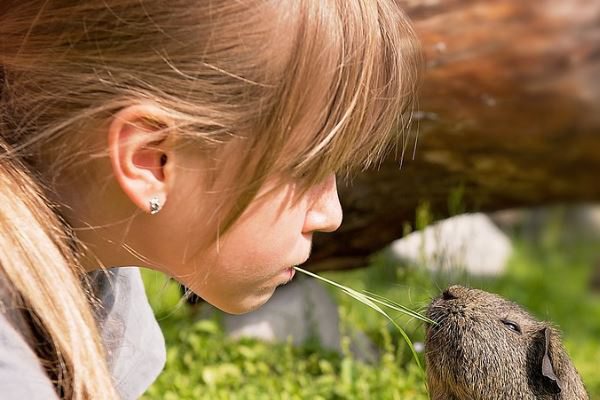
(496, 186)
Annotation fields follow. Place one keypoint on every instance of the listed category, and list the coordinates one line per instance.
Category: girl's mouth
(291, 272)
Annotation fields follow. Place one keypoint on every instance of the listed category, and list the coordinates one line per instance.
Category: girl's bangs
(348, 88)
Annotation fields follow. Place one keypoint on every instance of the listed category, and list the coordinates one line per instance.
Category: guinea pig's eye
(513, 326)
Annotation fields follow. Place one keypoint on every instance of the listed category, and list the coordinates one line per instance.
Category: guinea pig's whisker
(396, 306)
(423, 307)
(440, 329)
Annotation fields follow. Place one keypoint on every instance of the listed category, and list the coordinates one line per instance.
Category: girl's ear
(139, 150)
(550, 381)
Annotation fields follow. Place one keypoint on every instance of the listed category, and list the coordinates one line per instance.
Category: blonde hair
(296, 89)
(46, 280)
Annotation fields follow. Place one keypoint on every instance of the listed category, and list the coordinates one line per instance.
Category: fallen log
(509, 117)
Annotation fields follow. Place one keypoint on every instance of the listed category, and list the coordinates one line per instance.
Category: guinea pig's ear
(551, 381)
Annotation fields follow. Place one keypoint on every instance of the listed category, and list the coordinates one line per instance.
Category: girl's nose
(325, 211)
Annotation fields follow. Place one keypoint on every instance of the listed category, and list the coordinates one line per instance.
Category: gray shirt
(133, 340)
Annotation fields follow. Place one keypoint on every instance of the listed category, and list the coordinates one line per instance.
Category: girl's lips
(289, 274)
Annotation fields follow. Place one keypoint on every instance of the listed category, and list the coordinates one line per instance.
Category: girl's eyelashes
(513, 326)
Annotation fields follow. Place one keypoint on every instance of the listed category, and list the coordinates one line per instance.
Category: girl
(197, 138)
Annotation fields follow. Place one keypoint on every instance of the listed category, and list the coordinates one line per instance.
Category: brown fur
(476, 352)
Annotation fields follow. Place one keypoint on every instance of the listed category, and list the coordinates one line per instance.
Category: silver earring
(154, 205)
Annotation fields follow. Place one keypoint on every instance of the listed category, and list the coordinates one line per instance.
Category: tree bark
(509, 117)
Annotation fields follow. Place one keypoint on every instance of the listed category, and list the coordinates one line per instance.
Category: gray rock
(573, 222)
(469, 242)
(300, 311)
(584, 219)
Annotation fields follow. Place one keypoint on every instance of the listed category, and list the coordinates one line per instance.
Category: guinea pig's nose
(448, 294)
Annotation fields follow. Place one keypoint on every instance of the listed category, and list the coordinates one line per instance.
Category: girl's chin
(242, 302)
(249, 303)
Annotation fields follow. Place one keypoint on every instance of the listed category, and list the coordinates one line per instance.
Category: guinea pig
(483, 347)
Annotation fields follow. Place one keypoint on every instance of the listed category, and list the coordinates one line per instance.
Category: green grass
(203, 364)
(549, 279)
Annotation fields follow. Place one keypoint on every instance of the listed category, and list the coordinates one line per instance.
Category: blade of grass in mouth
(374, 301)
(398, 307)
